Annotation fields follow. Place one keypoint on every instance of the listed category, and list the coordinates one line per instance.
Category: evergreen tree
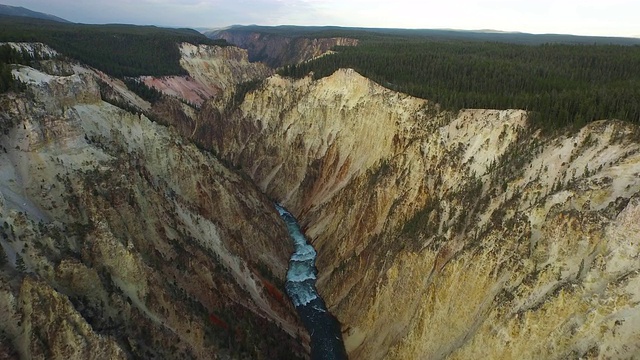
(3, 256)
(119, 50)
(563, 85)
(20, 263)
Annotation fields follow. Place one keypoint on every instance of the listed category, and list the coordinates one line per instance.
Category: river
(323, 328)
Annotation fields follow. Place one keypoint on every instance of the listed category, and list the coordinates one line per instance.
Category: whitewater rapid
(323, 328)
(301, 276)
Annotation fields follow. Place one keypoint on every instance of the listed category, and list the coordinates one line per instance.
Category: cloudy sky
(585, 17)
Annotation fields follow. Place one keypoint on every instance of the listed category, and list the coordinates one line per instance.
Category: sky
(579, 17)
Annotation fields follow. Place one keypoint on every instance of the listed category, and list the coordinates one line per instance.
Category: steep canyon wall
(440, 234)
(280, 50)
(447, 234)
(123, 239)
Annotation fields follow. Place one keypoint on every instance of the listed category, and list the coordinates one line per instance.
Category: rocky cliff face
(458, 235)
(276, 50)
(123, 239)
(440, 234)
(214, 72)
(218, 78)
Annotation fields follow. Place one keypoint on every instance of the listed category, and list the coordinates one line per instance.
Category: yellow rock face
(463, 235)
(214, 72)
(53, 329)
(123, 239)
(440, 235)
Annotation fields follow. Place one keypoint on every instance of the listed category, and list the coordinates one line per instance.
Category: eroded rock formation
(214, 72)
(458, 235)
(278, 50)
(440, 234)
(123, 239)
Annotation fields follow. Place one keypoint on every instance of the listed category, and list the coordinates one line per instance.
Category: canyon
(278, 50)
(112, 251)
(447, 234)
(439, 234)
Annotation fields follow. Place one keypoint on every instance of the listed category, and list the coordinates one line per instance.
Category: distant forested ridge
(562, 84)
(21, 11)
(119, 50)
(377, 34)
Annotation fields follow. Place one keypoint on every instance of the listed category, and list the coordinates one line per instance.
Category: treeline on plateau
(8, 56)
(561, 84)
(147, 93)
(118, 50)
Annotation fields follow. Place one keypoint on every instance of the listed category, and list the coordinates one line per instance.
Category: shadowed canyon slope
(451, 234)
(439, 234)
(112, 251)
(279, 50)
